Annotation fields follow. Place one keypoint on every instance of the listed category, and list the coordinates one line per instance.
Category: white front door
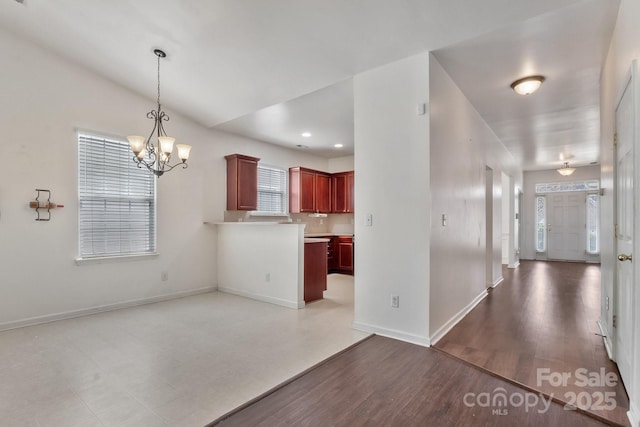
(624, 240)
(566, 226)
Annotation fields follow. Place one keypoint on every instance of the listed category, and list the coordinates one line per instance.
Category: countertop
(328, 234)
(315, 240)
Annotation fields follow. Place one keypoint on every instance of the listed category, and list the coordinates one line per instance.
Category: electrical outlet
(267, 277)
(164, 276)
(395, 301)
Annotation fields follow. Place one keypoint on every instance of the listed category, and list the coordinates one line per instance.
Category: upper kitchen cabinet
(242, 182)
(309, 190)
(342, 192)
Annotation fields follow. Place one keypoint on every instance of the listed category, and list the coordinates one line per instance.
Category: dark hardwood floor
(543, 316)
(385, 382)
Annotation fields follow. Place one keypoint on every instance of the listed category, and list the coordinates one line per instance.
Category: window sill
(263, 213)
(114, 259)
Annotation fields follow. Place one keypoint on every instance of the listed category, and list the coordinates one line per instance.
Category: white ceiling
(327, 114)
(560, 122)
(270, 69)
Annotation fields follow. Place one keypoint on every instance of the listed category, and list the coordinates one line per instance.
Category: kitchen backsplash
(333, 223)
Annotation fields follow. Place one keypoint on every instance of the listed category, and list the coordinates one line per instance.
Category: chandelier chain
(158, 82)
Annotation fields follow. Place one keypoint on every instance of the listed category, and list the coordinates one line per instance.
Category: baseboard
(497, 282)
(263, 298)
(457, 318)
(634, 415)
(514, 265)
(605, 338)
(100, 309)
(392, 333)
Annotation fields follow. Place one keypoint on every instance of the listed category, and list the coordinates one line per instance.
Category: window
(593, 219)
(541, 221)
(272, 189)
(557, 187)
(117, 200)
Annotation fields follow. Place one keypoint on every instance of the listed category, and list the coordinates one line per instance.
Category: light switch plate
(369, 220)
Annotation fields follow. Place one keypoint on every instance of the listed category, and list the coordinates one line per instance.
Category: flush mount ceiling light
(157, 157)
(527, 85)
(565, 170)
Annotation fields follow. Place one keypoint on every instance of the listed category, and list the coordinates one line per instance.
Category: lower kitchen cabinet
(345, 255)
(332, 254)
(339, 254)
(315, 270)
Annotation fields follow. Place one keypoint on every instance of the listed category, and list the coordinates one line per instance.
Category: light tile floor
(183, 362)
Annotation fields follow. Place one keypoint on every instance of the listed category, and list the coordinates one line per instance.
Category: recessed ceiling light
(306, 134)
(527, 85)
(338, 145)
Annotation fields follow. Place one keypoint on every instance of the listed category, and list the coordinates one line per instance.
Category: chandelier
(565, 170)
(157, 157)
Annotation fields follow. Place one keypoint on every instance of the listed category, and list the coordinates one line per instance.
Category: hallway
(540, 323)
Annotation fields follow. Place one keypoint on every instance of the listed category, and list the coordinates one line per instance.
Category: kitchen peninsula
(270, 262)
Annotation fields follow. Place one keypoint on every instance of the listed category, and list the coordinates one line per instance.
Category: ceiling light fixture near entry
(565, 170)
(527, 85)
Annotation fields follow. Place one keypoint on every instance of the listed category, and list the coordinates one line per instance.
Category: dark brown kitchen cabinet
(242, 182)
(332, 254)
(315, 270)
(342, 192)
(345, 254)
(309, 191)
(323, 192)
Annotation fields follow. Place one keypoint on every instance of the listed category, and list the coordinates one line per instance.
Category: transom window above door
(557, 187)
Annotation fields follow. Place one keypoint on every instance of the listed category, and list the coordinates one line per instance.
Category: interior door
(566, 231)
(625, 230)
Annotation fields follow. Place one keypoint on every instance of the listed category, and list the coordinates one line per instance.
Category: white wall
(625, 47)
(43, 99)
(422, 167)
(341, 164)
(392, 184)
(263, 261)
(531, 178)
(462, 145)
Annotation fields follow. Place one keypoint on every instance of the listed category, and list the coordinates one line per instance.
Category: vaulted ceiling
(270, 69)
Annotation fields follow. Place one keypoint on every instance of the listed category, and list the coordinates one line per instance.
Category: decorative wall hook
(41, 204)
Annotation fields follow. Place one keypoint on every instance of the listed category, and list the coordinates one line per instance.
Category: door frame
(632, 383)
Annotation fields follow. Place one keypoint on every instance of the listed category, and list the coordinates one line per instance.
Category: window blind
(272, 189)
(117, 203)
